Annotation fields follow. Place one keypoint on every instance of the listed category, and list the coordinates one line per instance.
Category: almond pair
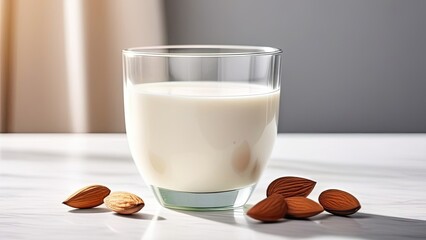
(94, 195)
(286, 197)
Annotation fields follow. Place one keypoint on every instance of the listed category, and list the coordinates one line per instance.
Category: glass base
(203, 201)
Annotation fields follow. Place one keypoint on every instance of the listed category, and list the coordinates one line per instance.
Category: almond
(291, 187)
(301, 207)
(124, 202)
(269, 209)
(88, 197)
(339, 202)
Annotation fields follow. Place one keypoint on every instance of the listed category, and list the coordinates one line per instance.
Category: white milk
(201, 136)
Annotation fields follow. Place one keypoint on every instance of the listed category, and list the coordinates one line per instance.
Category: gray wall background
(349, 66)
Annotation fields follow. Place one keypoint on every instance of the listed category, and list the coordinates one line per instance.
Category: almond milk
(201, 136)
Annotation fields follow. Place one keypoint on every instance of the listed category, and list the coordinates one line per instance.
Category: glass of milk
(201, 120)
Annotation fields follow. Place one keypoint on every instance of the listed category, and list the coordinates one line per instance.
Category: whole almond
(339, 202)
(88, 197)
(291, 187)
(301, 207)
(124, 202)
(270, 209)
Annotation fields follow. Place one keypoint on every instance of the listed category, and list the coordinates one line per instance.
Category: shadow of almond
(141, 216)
(359, 225)
(90, 210)
(137, 216)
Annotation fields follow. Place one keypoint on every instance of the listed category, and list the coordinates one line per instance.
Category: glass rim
(239, 51)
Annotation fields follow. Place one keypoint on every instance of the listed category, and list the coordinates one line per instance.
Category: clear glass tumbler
(201, 120)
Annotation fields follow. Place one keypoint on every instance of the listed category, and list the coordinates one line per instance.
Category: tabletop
(386, 172)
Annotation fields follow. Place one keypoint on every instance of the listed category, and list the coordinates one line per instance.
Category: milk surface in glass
(201, 136)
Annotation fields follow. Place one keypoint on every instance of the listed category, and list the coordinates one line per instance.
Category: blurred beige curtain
(60, 61)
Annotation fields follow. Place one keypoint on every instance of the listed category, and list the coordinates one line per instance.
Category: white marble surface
(38, 171)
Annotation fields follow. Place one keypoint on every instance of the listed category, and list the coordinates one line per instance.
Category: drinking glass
(201, 120)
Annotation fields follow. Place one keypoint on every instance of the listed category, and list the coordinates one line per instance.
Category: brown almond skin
(270, 209)
(339, 202)
(88, 197)
(124, 202)
(301, 207)
(291, 187)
